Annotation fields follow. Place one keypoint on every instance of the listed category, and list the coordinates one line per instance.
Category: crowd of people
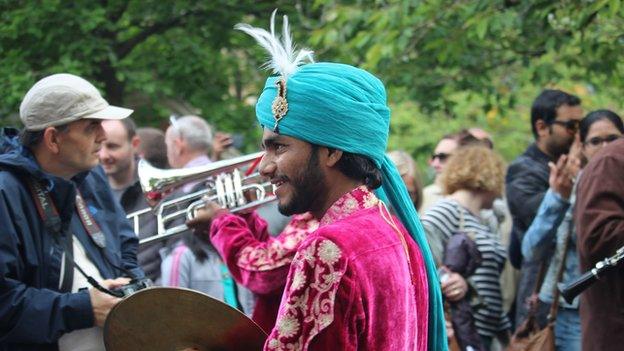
(355, 254)
(539, 197)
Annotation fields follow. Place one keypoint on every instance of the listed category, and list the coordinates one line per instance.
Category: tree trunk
(113, 87)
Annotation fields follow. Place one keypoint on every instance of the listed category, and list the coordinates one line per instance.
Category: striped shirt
(443, 220)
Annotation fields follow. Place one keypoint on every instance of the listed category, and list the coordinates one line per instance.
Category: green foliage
(456, 64)
(158, 57)
(447, 64)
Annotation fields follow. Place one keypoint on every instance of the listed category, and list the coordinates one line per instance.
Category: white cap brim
(111, 112)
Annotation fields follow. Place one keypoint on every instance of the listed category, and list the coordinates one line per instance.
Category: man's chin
(287, 209)
(558, 150)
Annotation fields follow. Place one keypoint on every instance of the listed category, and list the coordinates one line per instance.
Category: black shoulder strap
(52, 221)
(49, 215)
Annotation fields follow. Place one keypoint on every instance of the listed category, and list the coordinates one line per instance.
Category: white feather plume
(285, 60)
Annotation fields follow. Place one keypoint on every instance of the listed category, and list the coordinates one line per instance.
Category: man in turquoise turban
(364, 279)
(359, 281)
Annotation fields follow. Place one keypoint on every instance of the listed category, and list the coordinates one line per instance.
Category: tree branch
(116, 14)
(124, 48)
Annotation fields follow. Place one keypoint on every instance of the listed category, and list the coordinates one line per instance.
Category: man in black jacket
(58, 213)
(118, 157)
(555, 116)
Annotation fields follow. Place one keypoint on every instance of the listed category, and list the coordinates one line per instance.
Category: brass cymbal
(176, 319)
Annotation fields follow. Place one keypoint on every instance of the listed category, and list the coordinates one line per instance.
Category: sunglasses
(440, 156)
(597, 141)
(571, 125)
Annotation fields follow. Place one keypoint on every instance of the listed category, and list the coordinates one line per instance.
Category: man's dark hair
(30, 139)
(129, 126)
(153, 146)
(359, 168)
(546, 104)
(464, 138)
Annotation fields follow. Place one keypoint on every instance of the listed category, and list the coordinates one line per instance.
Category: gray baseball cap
(62, 98)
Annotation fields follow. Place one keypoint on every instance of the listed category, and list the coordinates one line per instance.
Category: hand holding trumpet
(204, 216)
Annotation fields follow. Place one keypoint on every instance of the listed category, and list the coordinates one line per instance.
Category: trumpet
(224, 184)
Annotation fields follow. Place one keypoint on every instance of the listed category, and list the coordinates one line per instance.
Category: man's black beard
(308, 188)
(556, 150)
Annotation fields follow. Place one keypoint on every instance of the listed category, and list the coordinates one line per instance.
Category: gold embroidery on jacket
(311, 299)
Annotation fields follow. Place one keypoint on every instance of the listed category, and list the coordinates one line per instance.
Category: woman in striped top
(472, 179)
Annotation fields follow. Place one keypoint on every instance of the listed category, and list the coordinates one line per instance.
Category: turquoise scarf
(344, 107)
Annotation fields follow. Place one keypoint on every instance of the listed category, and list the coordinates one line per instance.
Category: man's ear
(180, 145)
(333, 156)
(135, 142)
(51, 140)
(542, 128)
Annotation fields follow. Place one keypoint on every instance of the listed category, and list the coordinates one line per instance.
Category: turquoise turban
(344, 107)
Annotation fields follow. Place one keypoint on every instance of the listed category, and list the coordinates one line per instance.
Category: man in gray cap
(65, 242)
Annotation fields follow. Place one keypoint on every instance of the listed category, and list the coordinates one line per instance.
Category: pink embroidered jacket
(258, 261)
(357, 283)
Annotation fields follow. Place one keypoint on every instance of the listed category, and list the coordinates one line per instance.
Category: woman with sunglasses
(552, 230)
(472, 179)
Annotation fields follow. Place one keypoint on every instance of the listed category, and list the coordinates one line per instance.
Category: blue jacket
(550, 228)
(33, 313)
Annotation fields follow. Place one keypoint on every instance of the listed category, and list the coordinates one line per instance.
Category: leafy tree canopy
(158, 57)
(447, 64)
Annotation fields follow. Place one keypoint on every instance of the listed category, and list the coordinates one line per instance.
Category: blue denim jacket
(549, 228)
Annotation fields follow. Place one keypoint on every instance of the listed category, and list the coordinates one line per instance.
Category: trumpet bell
(233, 184)
(158, 183)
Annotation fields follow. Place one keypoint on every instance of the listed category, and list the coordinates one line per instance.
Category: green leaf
(482, 27)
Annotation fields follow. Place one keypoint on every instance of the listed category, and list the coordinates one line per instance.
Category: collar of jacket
(535, 153)
(17, 159)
